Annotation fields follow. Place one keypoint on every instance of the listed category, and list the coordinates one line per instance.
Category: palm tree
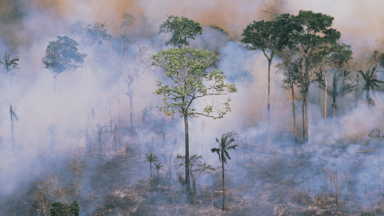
(336, 91)
(13, 119)
(151, 158)
(10, 64)
(158, 167)
(222, 151)
(370, 82)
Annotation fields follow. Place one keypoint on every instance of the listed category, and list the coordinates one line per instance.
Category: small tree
(337, 91)
(222, 151)
(158, 167)
(60, 209)
(370, 83)
(187, 69)
(62, 55)
(182, 29)
(10, 64)
(151, 158)
(95, 34)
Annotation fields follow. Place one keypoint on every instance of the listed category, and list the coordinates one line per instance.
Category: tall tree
(182, 29)
(311, 32)
(261, 36)
(336, 91)
(268, 37)
(370, 83)
(62, 55)
(95, 34)
(187, 69)
(225, 144)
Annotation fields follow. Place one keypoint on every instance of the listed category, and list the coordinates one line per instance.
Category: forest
(191, 108)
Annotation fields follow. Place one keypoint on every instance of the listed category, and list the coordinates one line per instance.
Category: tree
(370, 83)
(62, 55)
(95, 34)
(10, 64)
(158, 167)
(222, 151)
(261, 36)
(151, 158)
(187, 69)
(182, 29)
(14, 118)
(197, 168)
(133, 69)
(311, 32)
(336, 91)
(168, 163)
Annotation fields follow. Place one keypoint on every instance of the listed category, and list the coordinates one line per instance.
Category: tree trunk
(293, 112)
(325, 97)
(333, 118)
(187, 182)
(367, 96)
(303, 116)
(13, 138)
(269, 92)
(150, 168)
(222, 166)
(131, 109)
(306, 117)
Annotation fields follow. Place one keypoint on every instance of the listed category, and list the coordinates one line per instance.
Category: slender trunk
(131, 109)
(150, 168)
(187, 182)
(325, 97)
(303, 116)
(367, 96)
(306, 116)
(13, 138)
(269, 92)
(222, 166)
(293, 112)
(333, 118)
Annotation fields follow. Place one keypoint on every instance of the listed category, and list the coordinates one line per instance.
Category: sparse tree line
(306, 44)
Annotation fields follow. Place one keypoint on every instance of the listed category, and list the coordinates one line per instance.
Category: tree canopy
(181, 28)
(187, 68)
(62, 55)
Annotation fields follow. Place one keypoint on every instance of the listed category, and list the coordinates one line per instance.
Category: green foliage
(10, 64)
(260, 36)
(182, 29)
(95, 34)
(341, 53)
(151, 158)
(158, 166)
(62, 55)
(370, 82)
(224, 146)
(313, 29)
(187, 68)
(60, 209)
(336, 91)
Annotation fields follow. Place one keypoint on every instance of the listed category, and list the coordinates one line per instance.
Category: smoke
(66, 108)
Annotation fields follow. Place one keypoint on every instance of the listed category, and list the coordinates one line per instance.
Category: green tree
(60, 209)
(181, 28)
(187, 69)
(151, 158)
(222, 151)
(10, 64)
(370, 83)
(62, 55)
(311, 32)
(336, 91)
